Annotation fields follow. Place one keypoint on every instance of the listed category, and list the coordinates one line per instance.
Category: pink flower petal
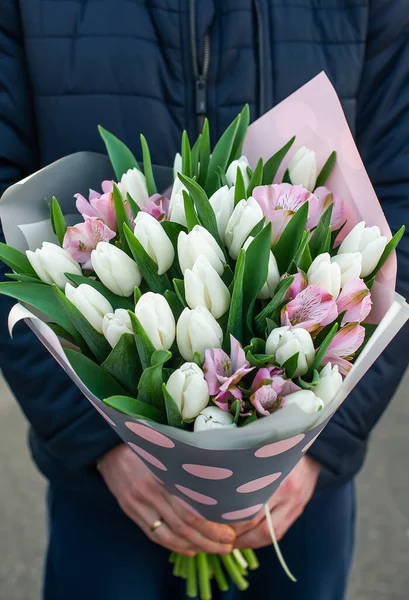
(215, 364)
(265, 400)
(347, 340)
(312, 308)
(355, 299)
(81, 239)
(157, 206)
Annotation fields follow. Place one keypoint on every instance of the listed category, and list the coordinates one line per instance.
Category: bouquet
(219, 324)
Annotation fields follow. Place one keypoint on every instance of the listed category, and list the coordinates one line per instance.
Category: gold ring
(155, 525)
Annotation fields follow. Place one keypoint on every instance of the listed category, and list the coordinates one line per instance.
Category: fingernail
(227, 549)
(229, 535)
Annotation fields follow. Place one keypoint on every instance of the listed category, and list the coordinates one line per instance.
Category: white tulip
(204, 287)
(350, 264)
(326, 274)
(222, 203)
(284, 342)
(117, 271)
(199, 242)
(244, 218)
(115, 324)
(189, 390)
(369, 242)
(156, 318)
(329, 383)
(177, 165)
(196, 331)
(177, 209)
(231, 173)
(91, 303)
(214, 418)
(273, 275)
(306, 400)
(303, 168)
(156, 243)
(51, 262)
(133, 182)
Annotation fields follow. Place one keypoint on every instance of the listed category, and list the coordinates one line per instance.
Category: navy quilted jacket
(156, 67)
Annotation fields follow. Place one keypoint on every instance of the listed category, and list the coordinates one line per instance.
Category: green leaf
(25, 278)
(174, 303)
(186, 155)
(336, 232)
(134, 206)
(308, 385)
(61, 333)
(259, 360)
(197, 358)
(135, 408)
(172, 410)
(270, 325)
(320, 353)
(220, 156)
(16, 260)
(144, 346)
(151, 381)
(191, 216)
(235, 410)
(287, 178)
(227, 276)
(179, 286)
(274, 304)
(147, 167)
(240, 134)
(240, 188)
(273, 164)
(98, 381)
(58, 220)
(40, 297)
(255, 272)
(136, 295)
(250, 419)
(94, 340)
(389, 248)
(306, 259)
(326, 170)
(203, 207)
(173, 230)
(149, 269)
(194, 157)
(113, 299)
(119, 154)
(300, 252)
(291, 365)
(204, 153)
(321, 237)
(287, 246)
(123, 363)
(222, 177)
(257, 228)
(256, 178)
(122, 218)
(235, 321)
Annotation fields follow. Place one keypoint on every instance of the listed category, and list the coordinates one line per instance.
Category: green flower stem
(191, 585)
(251, 558)
(214, 562)
(238, 561)
(183, 570)
(234, 572)
(177, 569)
(172, 558)
(204, 577)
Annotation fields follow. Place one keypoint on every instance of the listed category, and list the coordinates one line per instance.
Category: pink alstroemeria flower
(267, 387)
(311, 309)
(355, 299)
(157, 206)
(224, 400)
(279, 203)
(80, 240)
(101, 206)
(223, 372)
(344, 345)
(299, 284)
(325, 198)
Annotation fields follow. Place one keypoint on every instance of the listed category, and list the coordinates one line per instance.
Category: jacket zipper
(200, 77)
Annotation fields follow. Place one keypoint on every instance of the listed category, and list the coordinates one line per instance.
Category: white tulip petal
(372, 254)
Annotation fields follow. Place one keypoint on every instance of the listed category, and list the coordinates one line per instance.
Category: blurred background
(382, 555)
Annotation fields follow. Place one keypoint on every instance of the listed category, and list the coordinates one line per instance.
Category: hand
(286, 505)
(144, 500)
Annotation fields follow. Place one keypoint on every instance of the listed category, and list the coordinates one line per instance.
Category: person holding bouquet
(157, 68)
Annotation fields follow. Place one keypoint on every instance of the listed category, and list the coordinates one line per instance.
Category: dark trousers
(97, 553)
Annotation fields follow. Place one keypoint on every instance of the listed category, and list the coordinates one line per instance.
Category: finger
(195, 529)
(260, 535)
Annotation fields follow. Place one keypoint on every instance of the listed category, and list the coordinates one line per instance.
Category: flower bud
(91, 303)
(50, 262)
(117, 271)
(199, 242)
(222, 203)
(303, 168)
(188, 389)
(196, 331)
(204, 287)
(284, 343)
(244, 218)
(369, 242)
(154, 240)
(133, 182)
(115, 324)
(156, 318)
(231, 173)
(326, 274)
(214, 418)
(350, 264)
(329, 383)
(273, 275)
(304, 399)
